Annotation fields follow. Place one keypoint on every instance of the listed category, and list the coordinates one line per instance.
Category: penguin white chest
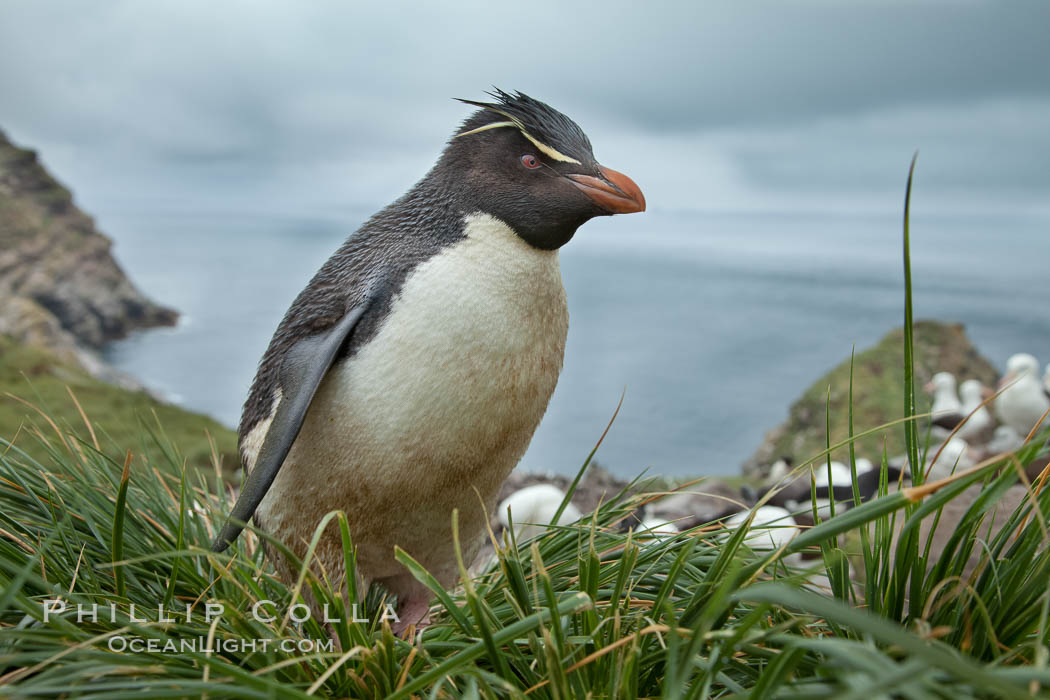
(445, 397)
(468, 355)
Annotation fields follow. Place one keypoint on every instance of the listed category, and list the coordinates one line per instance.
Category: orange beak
(613, 191)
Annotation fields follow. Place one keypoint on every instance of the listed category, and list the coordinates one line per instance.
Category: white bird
(658, 528)
(1023, 401)
(952, 456)
(947, 409)
(972, 393)
(1005, 439)
(840, 474)
(1046, 380)
(839, 486)
(778, 471)
(533, 508)
(772, 527)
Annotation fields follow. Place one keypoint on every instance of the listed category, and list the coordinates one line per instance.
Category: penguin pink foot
(412, 612)
(413, 603)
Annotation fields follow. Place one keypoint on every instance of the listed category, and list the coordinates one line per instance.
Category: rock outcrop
(878, 396)
(60, 287)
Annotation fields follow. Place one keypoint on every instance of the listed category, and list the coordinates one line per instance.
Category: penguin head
(530, 166)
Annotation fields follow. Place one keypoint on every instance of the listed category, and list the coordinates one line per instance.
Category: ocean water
(710, 325)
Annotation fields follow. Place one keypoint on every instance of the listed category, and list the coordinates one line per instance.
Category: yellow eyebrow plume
(551, 153)
(493, 125)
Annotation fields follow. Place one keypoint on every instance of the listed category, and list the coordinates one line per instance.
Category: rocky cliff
(62, 295)
(60, 287)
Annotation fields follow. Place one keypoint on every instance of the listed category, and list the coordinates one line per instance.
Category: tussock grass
(581, 611)
(65, 392)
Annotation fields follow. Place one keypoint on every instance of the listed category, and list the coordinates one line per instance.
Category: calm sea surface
(713, 324)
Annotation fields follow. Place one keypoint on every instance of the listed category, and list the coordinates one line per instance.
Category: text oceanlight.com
(140, 645)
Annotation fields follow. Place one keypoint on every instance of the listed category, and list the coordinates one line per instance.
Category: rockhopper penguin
(409, 375)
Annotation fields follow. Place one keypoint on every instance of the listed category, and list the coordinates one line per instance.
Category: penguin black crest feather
(539, 122)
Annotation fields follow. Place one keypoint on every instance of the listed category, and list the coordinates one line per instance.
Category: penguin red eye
(530, 161)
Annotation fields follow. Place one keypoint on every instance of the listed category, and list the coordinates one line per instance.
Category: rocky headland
(62, 297)
(60, 287)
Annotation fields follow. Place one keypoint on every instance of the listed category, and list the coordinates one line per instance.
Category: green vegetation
(878, 392)
(122, 420)
(581, 611)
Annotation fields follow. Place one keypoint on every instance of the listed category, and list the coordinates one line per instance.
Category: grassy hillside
(585, 610)
(121, 419)
(878, 394)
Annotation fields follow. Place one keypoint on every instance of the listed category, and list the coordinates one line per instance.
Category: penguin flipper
(302, 370)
